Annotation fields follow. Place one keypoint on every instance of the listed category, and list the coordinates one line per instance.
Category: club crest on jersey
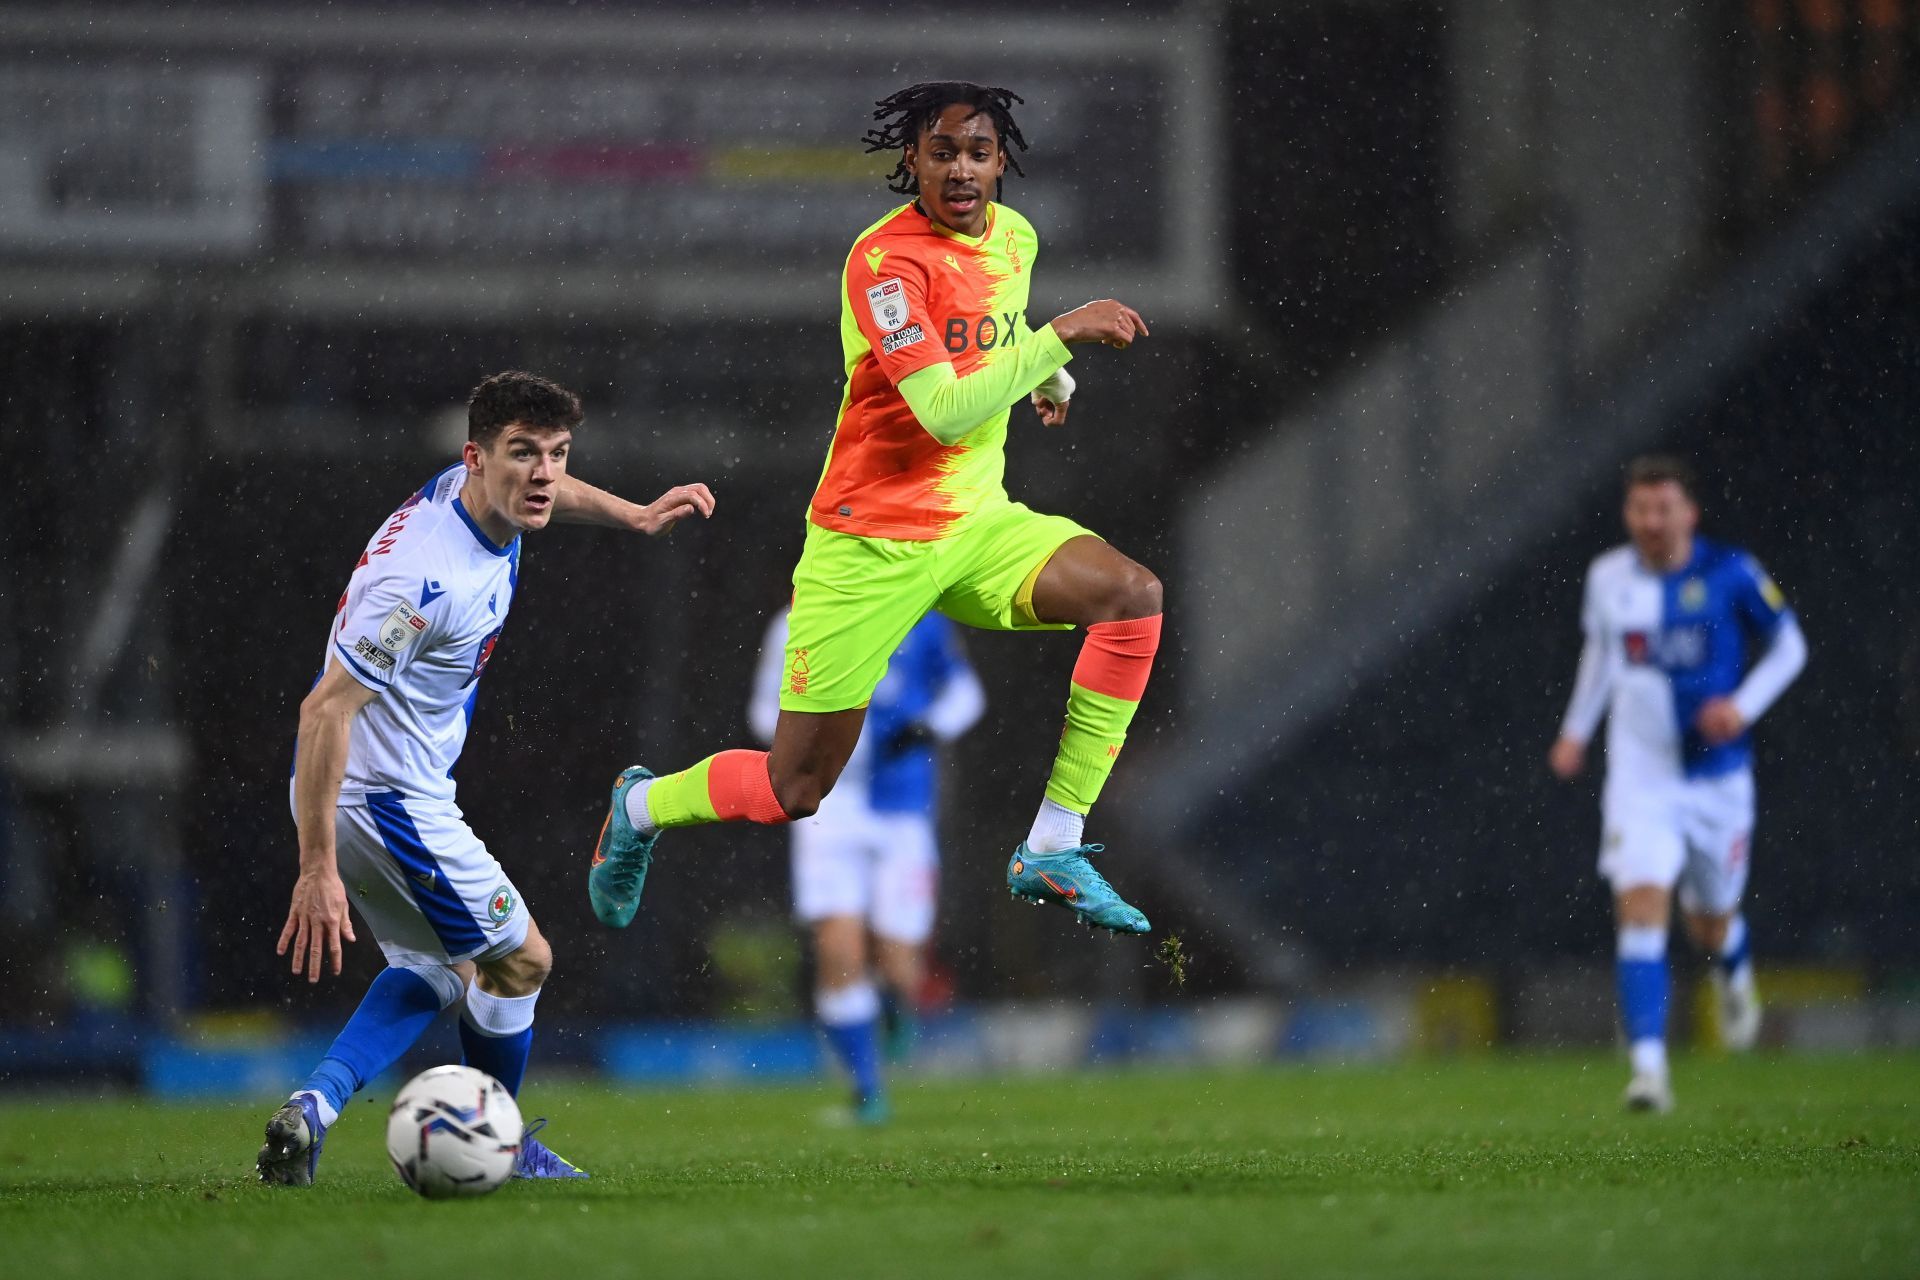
(888, 302)
(483, 657)
(1693, 594)
(500, 906)
(402, 627)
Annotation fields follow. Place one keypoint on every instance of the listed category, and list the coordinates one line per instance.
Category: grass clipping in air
(1174, 956)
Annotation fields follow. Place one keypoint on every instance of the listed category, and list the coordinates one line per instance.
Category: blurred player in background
(911, 516)
(380, 732)
(866, 865)
(1668, 621)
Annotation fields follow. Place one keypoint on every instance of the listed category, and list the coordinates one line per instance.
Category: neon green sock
(682, 799)
(1096, 730)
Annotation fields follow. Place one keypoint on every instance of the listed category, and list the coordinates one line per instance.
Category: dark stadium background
(1406, 825)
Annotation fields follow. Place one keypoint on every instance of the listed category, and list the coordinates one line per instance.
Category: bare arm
(317, 920)
(577, 502)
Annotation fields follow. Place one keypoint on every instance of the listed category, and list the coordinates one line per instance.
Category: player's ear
(471, 455)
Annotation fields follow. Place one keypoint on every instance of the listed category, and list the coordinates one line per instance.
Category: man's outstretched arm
(317, 920)
(577, 502)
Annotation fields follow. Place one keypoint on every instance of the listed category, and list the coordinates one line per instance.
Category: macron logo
(429, 592)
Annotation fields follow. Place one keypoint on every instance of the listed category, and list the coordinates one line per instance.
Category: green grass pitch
(1504, 1166)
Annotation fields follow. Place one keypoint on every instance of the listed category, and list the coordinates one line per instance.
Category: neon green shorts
(855, 598)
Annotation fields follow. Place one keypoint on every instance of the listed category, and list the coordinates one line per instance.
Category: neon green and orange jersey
(915, 295)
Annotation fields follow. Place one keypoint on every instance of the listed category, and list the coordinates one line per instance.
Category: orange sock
(741, 786)
(729, 787)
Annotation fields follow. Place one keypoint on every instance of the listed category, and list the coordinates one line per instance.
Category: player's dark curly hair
(903, 116)
(526, 398)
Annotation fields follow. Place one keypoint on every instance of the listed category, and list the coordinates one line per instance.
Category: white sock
(1055, 827)
(637, 806)
(328, 1113)
(499, 1015)
(1649, 1057)
(846, 1006)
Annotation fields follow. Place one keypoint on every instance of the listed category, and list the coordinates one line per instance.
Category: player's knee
(524, 971)
(1709, 932)
(1134, 593)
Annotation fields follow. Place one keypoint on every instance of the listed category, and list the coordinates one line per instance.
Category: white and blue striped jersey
(1661, 644)
(417, 624)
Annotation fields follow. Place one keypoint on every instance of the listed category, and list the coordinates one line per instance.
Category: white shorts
(1695, 833)
(425, 885)
(881, 867)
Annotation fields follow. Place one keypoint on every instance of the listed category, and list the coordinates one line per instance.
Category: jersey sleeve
(1757, 599)
(1593, 680)
(763, 706)
(959, 698)
(1760, 603)
(888, 303)
(389, 625)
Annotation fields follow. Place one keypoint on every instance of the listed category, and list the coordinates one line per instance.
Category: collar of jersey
(460, 510)
(1689, 565)
(950, 233)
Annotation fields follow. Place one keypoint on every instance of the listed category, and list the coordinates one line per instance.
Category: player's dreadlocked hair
(905, 114)
(516, 397)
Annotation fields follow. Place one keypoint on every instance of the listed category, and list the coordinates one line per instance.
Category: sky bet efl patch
(402, 627)
(888, 302)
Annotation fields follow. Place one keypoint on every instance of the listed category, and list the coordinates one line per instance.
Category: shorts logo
(888, 302)
(402, 627)
(797, 674)
(380, 658)
(500, 905)
(905, 338)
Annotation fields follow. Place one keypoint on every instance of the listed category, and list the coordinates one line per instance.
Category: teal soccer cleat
(1066, 877)
(620, 857)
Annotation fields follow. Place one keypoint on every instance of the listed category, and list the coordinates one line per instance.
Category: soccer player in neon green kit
(911, 515)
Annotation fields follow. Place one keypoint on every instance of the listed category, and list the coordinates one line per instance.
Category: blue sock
(1737, 950)
(1640, 970)
(395, 1012)
(850, 1016)
(858, 1048)
(502, 1057)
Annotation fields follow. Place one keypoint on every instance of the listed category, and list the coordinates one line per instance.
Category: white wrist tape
(1058, 387)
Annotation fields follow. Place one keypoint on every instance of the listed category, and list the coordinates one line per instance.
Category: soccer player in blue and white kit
(373, 791)
(1670, 621)
(867, 864)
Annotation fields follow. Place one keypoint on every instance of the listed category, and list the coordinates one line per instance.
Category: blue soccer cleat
(620, 858)
(1066, 877)
(294, 1137)
(537, 1160)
